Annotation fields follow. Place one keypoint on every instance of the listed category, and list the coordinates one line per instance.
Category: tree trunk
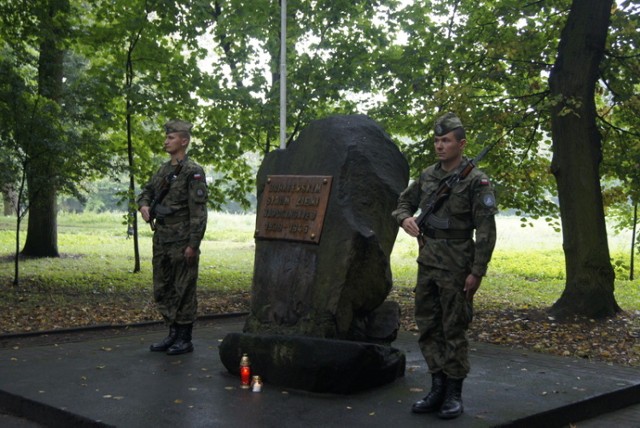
(42, 232)
(9, 200)
(42, 227)
(633, 242)
(133, 209)
(577, 154)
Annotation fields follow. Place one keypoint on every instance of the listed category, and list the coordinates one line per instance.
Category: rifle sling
(167, 183)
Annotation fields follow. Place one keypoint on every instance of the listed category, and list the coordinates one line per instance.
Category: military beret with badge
(447, 123)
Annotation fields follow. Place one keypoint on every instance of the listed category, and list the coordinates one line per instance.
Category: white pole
(283, 74)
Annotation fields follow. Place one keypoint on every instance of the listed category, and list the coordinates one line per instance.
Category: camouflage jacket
(182, 214)
(470, 206)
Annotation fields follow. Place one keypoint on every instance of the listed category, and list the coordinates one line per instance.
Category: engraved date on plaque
(292, 207)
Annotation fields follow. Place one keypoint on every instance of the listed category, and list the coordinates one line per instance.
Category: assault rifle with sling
(442, 193)
(164, 189)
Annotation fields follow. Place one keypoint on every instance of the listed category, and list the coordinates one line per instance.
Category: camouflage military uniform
(442, 311)
(181, 220)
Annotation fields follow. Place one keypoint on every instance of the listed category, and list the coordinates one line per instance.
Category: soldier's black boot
(452, 406)
(165, 343)
(183, 343)
(433, 401)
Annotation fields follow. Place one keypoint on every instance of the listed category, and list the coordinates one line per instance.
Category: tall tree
(42, 234)
(146, 61)
(577, 154)
(52, 124)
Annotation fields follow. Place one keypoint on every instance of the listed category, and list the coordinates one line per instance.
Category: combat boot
(165, 343)
(183, 343)
(433, 401)
(452, 406)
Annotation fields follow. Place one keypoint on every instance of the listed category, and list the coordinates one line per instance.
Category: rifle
(442, 193)
(164, 189)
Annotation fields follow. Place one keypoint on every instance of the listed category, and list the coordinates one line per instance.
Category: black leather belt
(171, 219)
(449, 233)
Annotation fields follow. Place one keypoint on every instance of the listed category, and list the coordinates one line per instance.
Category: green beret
(176, 125)
(447, 123)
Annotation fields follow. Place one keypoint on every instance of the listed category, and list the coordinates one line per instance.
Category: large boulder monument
(319, 317)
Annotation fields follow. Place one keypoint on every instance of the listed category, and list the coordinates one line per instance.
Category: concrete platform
(107, 379)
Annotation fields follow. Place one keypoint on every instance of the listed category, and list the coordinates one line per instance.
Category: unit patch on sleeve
(488, 200)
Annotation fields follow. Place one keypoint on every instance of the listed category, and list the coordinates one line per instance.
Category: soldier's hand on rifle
(410, 226)
(146, 215)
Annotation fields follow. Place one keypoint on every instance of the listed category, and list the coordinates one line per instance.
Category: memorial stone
(325, 280)
(319, 319)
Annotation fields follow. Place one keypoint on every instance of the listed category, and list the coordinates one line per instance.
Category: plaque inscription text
(292, 207)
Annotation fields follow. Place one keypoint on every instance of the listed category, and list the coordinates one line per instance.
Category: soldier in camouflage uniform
(450, 264)
(175, 202)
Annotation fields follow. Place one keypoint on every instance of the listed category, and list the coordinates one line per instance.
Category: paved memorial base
(115, 381)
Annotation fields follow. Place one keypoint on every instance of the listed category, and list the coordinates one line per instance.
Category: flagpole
(283, 74)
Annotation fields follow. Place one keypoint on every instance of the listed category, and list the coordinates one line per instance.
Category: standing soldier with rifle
(174, 203)
(455, 199)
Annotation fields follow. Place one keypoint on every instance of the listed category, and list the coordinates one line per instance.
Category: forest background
(87, 84)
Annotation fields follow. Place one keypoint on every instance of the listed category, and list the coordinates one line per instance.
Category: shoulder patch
(488, 200)
(484, 182)
(197, 176)
(198, 191)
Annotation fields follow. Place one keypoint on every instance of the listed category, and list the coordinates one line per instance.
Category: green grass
(97, 255)
(527, 270)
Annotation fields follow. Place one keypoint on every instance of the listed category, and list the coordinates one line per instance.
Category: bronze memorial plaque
(292, 207)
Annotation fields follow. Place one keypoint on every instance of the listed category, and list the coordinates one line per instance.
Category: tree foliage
(402, 63)
(331, 46)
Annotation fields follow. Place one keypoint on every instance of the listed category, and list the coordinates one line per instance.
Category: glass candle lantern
(245, 372)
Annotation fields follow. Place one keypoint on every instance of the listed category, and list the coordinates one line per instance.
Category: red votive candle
(245, 375)
(245, 372)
